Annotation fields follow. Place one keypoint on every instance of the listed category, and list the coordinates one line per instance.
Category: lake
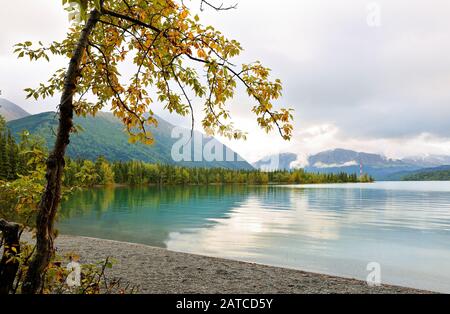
(335, 229)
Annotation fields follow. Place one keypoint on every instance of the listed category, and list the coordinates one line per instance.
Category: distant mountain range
(104, 135)
(429, 160)
(11, 111)
(378, 166)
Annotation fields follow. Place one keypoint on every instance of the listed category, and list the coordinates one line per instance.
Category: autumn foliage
(164, 42)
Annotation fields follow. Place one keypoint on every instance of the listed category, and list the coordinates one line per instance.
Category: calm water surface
(334, 229)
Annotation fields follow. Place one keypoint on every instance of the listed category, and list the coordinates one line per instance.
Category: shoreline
(277, 184)
(158, 271)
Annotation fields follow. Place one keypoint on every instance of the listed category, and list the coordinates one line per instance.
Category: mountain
(349, 161)
(341, 160)
(428, 161)
(11, 111)
(104, 135)
(276, 162)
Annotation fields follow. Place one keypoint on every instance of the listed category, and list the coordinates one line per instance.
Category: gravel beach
(157, 270)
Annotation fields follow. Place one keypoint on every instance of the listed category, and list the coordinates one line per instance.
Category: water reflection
(334, 229)
(146, 214)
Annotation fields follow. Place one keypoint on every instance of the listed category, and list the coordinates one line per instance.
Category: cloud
(325, 137)
(338, 69)
(357, 86)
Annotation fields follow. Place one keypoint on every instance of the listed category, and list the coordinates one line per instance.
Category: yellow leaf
(201, 53)
(184, 14)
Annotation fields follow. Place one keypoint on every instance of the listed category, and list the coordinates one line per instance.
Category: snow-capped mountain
(428, 160)
(349, 161)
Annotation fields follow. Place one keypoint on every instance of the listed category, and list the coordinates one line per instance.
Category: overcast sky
(357, 79)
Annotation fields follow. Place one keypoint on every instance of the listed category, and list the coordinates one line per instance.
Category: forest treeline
(429, 175)
(15, 157)
(103, 172)
(13, 163)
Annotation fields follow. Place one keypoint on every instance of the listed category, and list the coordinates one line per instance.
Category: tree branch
(220, 7)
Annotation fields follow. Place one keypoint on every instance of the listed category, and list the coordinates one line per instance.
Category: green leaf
(97, 4)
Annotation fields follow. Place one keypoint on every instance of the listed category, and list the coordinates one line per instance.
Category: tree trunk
(51, 197)
(11, 248)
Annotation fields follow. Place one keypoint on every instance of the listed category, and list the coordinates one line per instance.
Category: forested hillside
(103, 135)
(432, 174)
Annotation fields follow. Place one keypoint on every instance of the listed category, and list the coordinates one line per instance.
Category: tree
(13, 156)
(19, 202)
(2, 124)
(4, 156)
(159, 37)
(106, 174)
(10, 163)
(104, 171)
(88, 175)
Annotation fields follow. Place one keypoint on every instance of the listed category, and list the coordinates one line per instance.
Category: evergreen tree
(4, 151)
(13, 156)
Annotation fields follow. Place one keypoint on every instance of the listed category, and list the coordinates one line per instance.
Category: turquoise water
(333, 229)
